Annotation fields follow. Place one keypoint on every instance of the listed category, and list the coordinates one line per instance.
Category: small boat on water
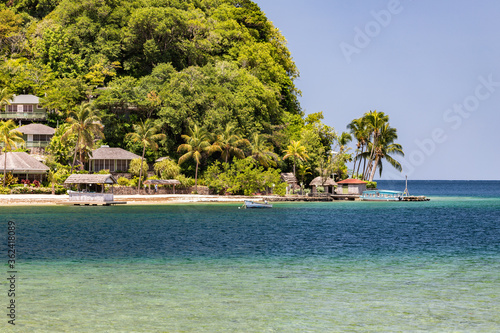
(382, 195)
(253, 204)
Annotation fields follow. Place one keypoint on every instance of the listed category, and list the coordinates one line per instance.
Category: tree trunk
(374, 168)
(364, 167)
(5, 167)
(140, 170)
(196, 178)
(74, 155)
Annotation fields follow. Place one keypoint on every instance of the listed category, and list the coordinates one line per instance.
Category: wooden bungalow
(291, 180)
(24, 107)
(23, 166)
(91, 187)
(328, 184)
(351, 186)
(112, 159)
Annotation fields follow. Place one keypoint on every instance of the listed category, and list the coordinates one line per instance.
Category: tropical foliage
(10, 138)
(86, 126)
(205, 84)
(145, 132)
(375, 142)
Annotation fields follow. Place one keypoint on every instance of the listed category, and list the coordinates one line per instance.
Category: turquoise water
(315, 267)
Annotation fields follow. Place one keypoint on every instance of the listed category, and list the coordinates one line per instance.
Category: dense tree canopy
(180, 63)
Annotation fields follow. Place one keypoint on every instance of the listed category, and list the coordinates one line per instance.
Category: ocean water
(298, 267)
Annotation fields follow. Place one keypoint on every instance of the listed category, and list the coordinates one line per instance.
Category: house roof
(25, 99)
(107, 153)
(36, 129)
(162, 182)
(90, 179)
(318, 181)
(351, 181)
(288, 177)
(21, 162)
(162, 159)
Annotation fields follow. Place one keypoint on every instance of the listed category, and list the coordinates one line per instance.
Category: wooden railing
(23, 115)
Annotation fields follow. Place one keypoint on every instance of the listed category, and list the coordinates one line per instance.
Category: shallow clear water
(314, 267)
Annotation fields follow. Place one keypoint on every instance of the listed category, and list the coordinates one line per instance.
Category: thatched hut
(328, 183)
(291, 181)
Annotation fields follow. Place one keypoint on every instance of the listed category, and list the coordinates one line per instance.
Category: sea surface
(298, 267)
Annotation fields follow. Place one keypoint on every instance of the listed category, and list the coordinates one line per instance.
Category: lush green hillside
(181, 63)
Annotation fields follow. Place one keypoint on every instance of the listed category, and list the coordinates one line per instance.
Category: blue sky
(432, 66)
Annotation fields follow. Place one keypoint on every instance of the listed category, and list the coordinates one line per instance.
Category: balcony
(31, 144)
(36, 144)
(24, 115)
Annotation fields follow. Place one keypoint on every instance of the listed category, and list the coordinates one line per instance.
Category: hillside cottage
(24, 107)
(112, 159)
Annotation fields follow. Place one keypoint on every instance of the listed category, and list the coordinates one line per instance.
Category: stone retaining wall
(127, 190)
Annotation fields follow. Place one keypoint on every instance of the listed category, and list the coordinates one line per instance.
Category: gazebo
(93, 187)
(172, 182)
(328, 183)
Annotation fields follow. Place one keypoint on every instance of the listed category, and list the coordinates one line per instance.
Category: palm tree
(375, 121)
(360, 130)
(86, 125)
(386, 147)
(229, 141)
(197, 143)
(262, 151)
(145, 132)
(296, 151)
(5, 98)
(9, 136)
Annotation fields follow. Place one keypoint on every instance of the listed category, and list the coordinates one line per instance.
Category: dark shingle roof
(107, 153)
(162, 182)
(20, 162)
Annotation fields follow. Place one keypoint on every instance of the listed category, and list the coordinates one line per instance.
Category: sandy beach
(48, 199)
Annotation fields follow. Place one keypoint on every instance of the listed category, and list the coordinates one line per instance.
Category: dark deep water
(375, 266)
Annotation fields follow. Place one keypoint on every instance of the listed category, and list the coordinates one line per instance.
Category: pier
(415, 198)
(91, 203)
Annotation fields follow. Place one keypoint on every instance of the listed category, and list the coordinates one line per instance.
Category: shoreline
(154, 199)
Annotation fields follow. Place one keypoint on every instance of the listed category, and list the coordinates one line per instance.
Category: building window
(42, 137)
(122, 165)
(11, 108)
(28, 108)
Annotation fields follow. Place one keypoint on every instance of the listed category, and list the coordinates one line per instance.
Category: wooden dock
(415, 198)
(91, 203)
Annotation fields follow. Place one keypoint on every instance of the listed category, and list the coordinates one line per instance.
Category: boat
(253, 204)
(382, 195)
